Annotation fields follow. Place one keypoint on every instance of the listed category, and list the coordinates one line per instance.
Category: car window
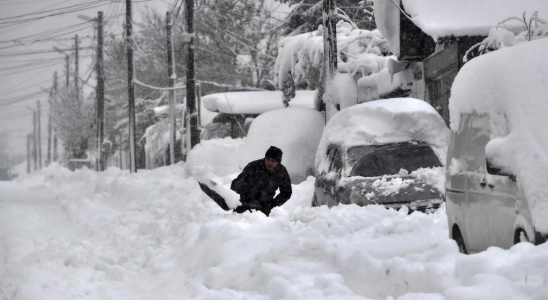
(337, 162)
(478, 137)
(389, 161)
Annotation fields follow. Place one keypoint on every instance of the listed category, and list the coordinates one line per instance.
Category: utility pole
(172, 77)
(130, 87)
(67, 61)
(29, 136)
(76, 71)
(39, 136)
(192, 120)
(100, 90)
(48, 158)
(199, 103)
(329, 42)
(54, 130)
(34, 152)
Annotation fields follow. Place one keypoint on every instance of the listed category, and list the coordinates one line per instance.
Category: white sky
(13, 117)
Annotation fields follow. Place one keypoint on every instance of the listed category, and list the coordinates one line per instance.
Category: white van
(498, 110)
(485, 207)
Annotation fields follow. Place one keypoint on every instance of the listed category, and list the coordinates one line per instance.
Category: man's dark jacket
(257, 187)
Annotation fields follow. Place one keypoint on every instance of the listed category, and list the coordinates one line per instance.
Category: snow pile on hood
(468, 17)
(381, 122)
(224, 154)
(511, 85)
(254, 102)
(297, 131)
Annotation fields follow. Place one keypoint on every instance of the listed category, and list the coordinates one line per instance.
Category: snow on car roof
(511, 85)
(381, 122)
(470, 17)
(254, 102)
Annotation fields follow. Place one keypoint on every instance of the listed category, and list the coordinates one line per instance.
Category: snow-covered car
(297, 131)
(386, 152)
(496, 188)
(236, 110)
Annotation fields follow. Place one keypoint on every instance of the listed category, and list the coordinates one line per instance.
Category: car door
(455, 187)
(478, 202)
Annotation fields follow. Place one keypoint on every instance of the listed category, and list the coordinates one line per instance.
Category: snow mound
(297, 131)
(381, 122)
(254, 102)
(511, 85)
(467, 17)
(223, 154)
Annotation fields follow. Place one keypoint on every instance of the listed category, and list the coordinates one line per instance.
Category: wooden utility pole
(76, 70)
(48, 158)
(130, 87)
(39, 135)
(199, 103)
(29, 136)
(329, 42)
(100, 91)
(172, 77)
(67, 62)
(192, 120)
(54, 130)
(34, 150)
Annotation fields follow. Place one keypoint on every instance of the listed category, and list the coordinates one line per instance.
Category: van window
(459, 141)
(478, 137)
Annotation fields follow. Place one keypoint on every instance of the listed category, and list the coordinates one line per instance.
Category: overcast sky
(17, 81)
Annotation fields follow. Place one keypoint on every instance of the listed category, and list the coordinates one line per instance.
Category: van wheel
(457, 236)
(521, 236)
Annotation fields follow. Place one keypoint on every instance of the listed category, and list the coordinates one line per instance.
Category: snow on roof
(511, 85)
(469, 17)
(383, 121)
(206, 116)
(254, 102)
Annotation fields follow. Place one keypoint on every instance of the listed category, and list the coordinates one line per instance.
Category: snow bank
(155, 235)
(465, 17)
(223, 154)
(254, 102)
(380, 122)
(297, 131)
(511, 86)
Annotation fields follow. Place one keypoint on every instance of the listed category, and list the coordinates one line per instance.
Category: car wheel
(521, 236)
(314, 201)
(457, 236)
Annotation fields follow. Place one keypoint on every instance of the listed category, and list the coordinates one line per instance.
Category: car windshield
(389, 160)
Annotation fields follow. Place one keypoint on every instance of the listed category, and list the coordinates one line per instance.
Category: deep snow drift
(155, 235)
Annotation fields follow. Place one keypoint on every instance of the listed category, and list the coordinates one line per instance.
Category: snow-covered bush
(362, 66)
(534, 28)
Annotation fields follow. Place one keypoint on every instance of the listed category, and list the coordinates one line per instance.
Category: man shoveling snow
(256, 185)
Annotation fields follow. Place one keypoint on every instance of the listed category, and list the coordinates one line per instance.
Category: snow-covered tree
(307, 15)
(363, 62)
(534, 28)
(74, 118)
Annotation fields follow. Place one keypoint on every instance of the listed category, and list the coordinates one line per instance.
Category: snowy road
(154, 235)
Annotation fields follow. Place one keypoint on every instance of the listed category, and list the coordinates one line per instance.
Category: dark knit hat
(274, 153)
